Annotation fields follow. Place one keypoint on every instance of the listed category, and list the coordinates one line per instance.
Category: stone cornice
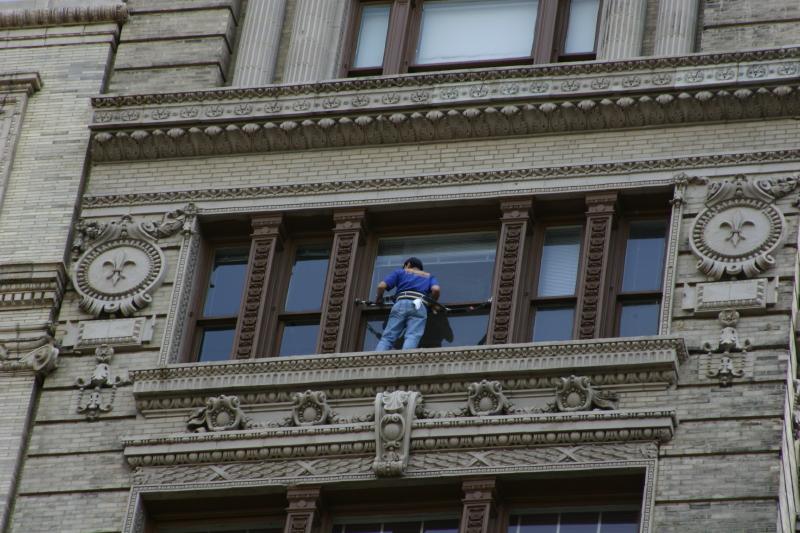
(26, 82)
(439, 180)
(25, 286)
(446, 106)
(427, 435)
(62, 16)
(355, 375)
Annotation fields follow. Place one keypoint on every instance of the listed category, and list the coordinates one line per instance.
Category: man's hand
(436, 291)
(379, 293)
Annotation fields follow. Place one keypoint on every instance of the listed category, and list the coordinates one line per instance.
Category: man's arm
(436, 291)
(379, 292)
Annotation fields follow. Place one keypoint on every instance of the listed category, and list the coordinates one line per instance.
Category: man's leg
(394, 326)
(415, 326)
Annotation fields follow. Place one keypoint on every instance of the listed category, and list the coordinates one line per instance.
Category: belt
(409, 295)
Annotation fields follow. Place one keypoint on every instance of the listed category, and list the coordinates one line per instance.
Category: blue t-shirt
(405, 280)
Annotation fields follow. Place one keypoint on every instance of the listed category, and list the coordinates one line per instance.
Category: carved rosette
(740, 227)
(219, 414)
(486, 398)
(394, 413)
(577, 394)
(310, 408)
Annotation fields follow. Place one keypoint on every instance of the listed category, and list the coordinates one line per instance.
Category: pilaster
(258, 46)
(266, 238)
(621, 29)
(479, 496)
(302, 509)
(676, 26)
(316, 33)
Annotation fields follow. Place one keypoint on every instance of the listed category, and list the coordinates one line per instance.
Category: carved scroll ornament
(394, 413)
(222, 413)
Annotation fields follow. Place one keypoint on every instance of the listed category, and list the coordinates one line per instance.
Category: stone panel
(98, 471)
(765, 35)
(180, 78)
(182, 52)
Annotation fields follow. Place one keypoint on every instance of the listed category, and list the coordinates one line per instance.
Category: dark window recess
(575, 522)
(394, 37)
(223, 296)
(411, 526)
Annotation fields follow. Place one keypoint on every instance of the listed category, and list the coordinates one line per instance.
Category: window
(390, 37)
(405, 526)
(463, 263)
(575, 522)
(216, 325)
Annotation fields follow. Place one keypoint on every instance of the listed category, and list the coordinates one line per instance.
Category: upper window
(390, 37)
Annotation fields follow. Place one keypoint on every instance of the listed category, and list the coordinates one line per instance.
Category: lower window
(575, 522)
(405, 526)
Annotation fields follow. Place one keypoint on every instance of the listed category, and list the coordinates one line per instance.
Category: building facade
(198, 198)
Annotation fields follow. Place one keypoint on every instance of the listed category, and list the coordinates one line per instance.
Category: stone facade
(134, 137)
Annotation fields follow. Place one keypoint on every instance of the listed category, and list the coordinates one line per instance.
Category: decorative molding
(31, 285)
(514, 226)
(577, 394)
(120, 333)
(394, 415)
(743, 295)
(594, 265)
(41, 361)
(62, 16)
(740, 227)
(347, 234)
(100, 379)
(15, 88)
(479, 496)
(729, 359)
(302, 509)
(120, 263)
(310, 408)
(487, 399)
(266, 238)
(219, 414)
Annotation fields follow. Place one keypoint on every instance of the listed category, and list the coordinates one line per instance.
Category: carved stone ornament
(121, 263)
(577, 394)
(310, 408)
(729, 359)
(486, 398)
(394, 413)
(41, 360)
(740, 228)
(93, 403)
(219, 414)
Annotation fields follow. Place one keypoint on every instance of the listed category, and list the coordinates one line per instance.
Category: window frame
(404, 25)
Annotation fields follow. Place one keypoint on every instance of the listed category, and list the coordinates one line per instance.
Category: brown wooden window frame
(403, 33)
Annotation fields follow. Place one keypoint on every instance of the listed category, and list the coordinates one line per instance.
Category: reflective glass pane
(308, 278)
(463, 262)
(639, 319)
(216, 344)
(553, 323)
(441, 526)
(619, 522)
(441, 330)
(559, 267)
(581, 26)
(539, 523)
(644, 256)
(361, 528)
(224, 293)
(372, 35)
(299, 338)
(578, 523)
(473, 30)
(402, 527)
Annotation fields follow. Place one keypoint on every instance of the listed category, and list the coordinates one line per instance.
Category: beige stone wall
(749, 24)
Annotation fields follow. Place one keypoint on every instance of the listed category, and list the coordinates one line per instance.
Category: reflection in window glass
(579, 523)
(299, 338)
(216, 344)
(639, 319)
(553, 323)
(411, 526)
(462, 262)
(441, 330)
(581, 26)
(585, 522)
(644, 256)
(559, 263)
(473, 30)
(226, 282)
(543, 523)
(307, 282)
(372, 35)
(620, 522)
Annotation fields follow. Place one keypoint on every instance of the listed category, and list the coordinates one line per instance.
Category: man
(414, 286)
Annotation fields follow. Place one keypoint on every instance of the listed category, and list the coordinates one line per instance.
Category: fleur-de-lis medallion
(735, 225)
(116, 267)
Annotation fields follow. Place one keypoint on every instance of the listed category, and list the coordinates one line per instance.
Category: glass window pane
(553, 323)
(441, 330)
(308, 278)
(372, 35)
(581, 26)
(463, 263)
(299, 338)
(441, 526)
(472, 30)
(538, 523)
(578, 523)
(619, 522)
(644, 256)
(216, 344)
(225, 285)
(559, 270)
(639, 319)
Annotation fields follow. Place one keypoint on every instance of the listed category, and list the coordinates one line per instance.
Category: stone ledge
(27, 82)
(27, 18)
(31, 285)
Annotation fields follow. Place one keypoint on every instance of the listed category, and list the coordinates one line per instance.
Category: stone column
(315, 42)
(302, 510)
(267, 236)
(594, 265)
(675, 30)
(479, 496)
(508, 278)
(621, 29)
(258, 45)
(347, 233)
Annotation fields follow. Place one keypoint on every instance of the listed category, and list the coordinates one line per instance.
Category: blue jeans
(403, 316)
